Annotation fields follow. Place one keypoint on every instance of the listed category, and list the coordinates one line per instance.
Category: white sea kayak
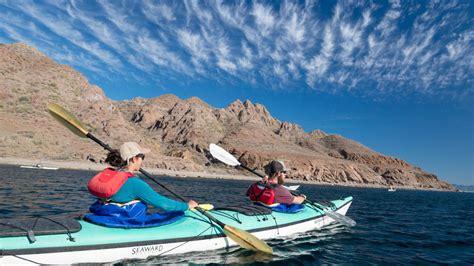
(78, 241)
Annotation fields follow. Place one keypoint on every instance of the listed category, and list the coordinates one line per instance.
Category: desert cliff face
(178, 131)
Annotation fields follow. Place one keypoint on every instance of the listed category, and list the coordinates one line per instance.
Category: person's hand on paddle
(192, 204)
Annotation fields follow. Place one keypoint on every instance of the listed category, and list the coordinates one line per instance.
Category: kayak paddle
(241, 237)
(227, 158)
(292, 188)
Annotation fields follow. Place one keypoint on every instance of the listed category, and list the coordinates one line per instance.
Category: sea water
(406, 226)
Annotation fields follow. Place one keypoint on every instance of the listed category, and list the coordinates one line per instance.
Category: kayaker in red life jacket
(274, 180)
(128, 161)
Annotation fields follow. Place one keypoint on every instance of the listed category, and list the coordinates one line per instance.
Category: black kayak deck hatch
(30, 227)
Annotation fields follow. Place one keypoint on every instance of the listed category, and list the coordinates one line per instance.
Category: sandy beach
(213, 174)
(86, 165)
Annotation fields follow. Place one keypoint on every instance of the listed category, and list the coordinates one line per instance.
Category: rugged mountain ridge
(178, 131)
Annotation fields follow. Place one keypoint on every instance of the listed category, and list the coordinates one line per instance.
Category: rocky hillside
(178, 131)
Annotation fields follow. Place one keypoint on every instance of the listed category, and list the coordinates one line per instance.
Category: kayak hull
(97, 244)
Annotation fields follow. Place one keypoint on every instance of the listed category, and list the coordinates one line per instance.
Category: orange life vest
(108, 182)
(261, 192)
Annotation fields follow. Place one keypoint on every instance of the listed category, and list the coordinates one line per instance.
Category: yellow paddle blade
(246, 240)
(205, 207)
(67, 119)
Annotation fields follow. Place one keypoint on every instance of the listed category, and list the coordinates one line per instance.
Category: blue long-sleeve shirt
(135, 188)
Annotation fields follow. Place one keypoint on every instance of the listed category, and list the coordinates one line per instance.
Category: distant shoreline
(86, 165)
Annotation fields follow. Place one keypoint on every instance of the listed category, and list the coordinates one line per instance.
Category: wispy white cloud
(158, 12)
(100, 29)
(373, 49)
(160, 54)
(280, 72)
(79, 59)
(12, 33)
(264, 18)
(147, 49)
(245, 62)
(58, 24)
(194, 44)
(118, 16)
(203, 15)
(224, 60)
(294, 22)
(459, 46)
(319, 64)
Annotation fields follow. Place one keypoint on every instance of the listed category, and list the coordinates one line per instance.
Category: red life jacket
(261, 192)
(108, 182)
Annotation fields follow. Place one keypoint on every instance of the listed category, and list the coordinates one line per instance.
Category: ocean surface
(406, 226)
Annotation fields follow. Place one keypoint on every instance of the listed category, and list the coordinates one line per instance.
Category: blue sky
(395, 76)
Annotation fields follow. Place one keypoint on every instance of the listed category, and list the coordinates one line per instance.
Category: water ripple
(405, 227)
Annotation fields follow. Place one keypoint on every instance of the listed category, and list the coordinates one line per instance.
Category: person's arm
(282, 195)
(298, 199)
(146, 194)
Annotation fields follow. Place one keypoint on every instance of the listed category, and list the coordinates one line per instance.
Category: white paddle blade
(341, 218)
(292, 188)
(222, 155)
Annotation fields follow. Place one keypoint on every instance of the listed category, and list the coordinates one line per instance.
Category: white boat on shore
(38, 166)
(392, 189)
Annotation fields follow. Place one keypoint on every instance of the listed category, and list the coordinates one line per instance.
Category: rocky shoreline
(177, 131)
(213, 174)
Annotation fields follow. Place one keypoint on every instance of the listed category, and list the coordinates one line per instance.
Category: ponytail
(115, 160)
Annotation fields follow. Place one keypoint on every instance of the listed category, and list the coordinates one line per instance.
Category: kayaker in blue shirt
(123, 197)
(130, 159)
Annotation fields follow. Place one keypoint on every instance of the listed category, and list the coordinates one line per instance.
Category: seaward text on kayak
(147, 249)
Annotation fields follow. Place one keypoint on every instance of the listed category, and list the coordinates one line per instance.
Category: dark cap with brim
(274, 167)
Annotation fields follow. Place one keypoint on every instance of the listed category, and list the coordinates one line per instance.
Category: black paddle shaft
(107, 147)
(98, 141)
(251, 170)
